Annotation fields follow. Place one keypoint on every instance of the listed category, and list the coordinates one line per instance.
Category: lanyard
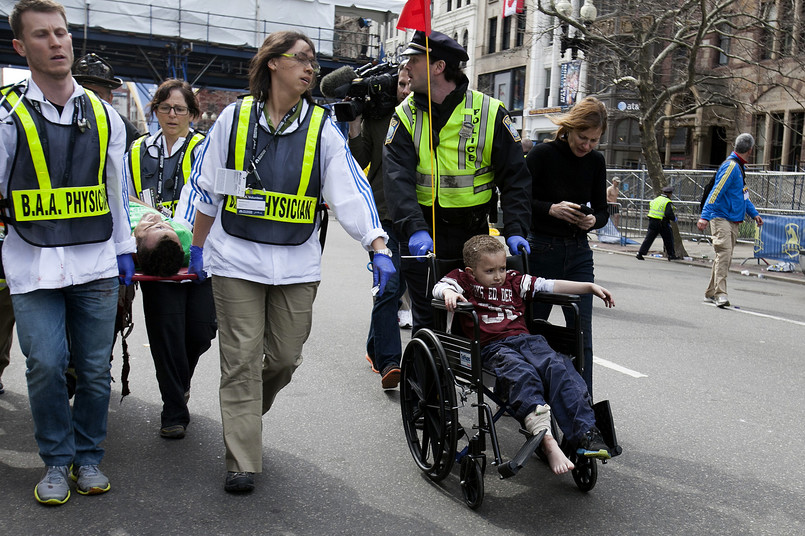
(79, 123)
(256, 160)
(171, 183)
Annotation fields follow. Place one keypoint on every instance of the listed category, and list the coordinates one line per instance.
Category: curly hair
(478, 246)
(586, 114)
(163, 260)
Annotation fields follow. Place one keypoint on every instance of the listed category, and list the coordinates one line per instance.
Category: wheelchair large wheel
(585, 473)
(472, 481)
(428, 404)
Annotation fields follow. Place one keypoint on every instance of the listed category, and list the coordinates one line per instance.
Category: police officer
(476, 149)
(660, 216)
(68, 238)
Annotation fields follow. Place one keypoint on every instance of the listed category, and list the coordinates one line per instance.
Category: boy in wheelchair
(538, 381)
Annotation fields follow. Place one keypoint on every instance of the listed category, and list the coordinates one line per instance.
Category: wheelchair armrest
(556, 298)
(461, 307)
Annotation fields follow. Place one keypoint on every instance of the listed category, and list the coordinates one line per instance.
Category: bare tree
(711, 60)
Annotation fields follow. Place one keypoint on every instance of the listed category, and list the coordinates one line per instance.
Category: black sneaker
(639, 257)
(1, 388)
(239, 482)
(592, 446)
(390, 377)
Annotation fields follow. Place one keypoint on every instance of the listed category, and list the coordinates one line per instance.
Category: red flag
(510, 7)
(415, 16)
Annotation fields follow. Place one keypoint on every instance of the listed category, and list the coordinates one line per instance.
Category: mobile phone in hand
(585, 209)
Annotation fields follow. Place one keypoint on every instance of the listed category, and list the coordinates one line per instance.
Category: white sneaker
(722, 301)
(404, 318)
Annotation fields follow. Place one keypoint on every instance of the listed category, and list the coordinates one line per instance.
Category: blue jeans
(45, 318)
(531, 373)
(570, 259)
(383, 343)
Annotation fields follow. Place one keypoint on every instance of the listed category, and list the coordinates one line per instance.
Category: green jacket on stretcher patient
(163, 245)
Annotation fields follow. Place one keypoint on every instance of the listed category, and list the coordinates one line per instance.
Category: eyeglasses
(304, 60)
(166, 109)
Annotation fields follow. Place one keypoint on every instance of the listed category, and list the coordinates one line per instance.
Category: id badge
(746, 194)
(230, 182)
(251, 205)
(148, 196)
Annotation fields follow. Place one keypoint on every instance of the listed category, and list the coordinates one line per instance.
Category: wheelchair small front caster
(585, 473)
(472, 481)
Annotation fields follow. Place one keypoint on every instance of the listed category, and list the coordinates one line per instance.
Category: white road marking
(764, 315)
(614, 366)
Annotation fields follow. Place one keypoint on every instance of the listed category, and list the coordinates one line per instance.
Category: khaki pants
(261, 331)
(725, 234)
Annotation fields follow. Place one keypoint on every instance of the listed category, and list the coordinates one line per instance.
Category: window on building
(493, 35)
(627, 132)
(768, 41)
(465, 42)
(519, 38)
(723, 41)
(776, 141)
(449, 5)
(547, 91)
(506, 38)
(796, 122)
(506, 86)
(458, 4)
(760, 138)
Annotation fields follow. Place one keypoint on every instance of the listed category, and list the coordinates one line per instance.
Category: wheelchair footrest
(511, 467)
(606, 425)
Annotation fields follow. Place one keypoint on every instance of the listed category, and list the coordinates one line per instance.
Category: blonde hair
(586, 114)
(478, 246)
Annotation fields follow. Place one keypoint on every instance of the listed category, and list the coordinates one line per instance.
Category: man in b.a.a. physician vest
(145, 172)
(57, 198)
(284, 182)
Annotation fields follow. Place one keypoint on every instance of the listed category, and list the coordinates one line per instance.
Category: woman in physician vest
(179, 317)
(269, 162)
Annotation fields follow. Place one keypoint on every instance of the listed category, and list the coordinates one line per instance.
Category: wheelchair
(437, 364)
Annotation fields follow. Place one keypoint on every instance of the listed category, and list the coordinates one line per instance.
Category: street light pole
(587, 14)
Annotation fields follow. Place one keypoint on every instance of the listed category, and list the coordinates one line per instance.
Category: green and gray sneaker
(53, 489)
(90, 480)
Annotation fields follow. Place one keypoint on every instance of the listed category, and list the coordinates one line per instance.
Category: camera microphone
(336, 84)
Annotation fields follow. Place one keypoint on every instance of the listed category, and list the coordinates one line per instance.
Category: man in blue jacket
(725, 208)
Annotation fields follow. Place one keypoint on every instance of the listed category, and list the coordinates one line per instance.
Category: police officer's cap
(93, 69)
(667, 189)
(442, 47)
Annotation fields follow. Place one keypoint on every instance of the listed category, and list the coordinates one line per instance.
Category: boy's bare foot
(557, 460)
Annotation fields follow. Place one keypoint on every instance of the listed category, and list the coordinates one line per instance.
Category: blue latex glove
(125, 267)
(382, 270)
(515, 242)
(419, 244)
(197, 263)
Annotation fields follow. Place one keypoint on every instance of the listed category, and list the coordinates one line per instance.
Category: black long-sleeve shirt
(399, 169)
(559, 175)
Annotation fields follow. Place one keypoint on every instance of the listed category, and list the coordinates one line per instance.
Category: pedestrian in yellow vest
(660, 216)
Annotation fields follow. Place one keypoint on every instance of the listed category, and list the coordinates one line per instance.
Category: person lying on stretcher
(537, 381)
(163, 246)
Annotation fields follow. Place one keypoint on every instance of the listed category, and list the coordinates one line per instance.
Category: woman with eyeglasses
(270, 162)
(179, 317)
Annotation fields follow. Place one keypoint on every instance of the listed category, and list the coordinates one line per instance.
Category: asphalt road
(708, 405)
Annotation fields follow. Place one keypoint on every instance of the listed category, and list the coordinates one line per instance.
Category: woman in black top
(568, 201)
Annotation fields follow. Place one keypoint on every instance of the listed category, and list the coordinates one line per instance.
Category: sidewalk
(701, 254)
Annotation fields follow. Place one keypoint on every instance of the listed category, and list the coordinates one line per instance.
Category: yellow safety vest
(141, 163)
(464, 173)
(45, 214)
(656, 209)
(282, 209)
